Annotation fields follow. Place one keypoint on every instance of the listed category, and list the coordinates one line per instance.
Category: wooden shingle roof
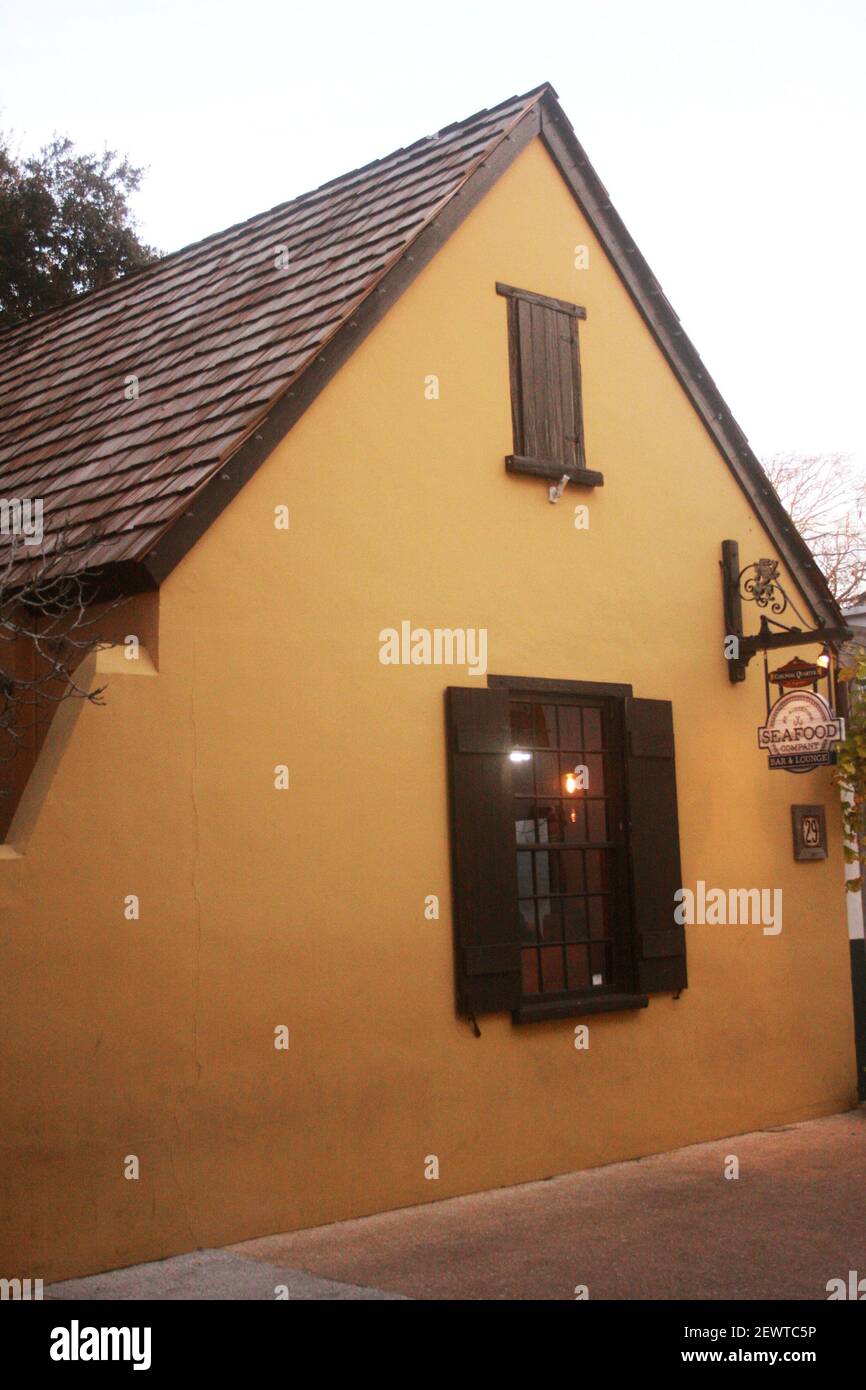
(213, 335)
(229, 348)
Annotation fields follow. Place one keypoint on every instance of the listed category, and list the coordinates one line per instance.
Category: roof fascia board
(279, 417)
(545, 118)
(660, 317)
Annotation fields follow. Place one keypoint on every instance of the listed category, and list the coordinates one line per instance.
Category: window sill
(578, 1006)
(544, 468)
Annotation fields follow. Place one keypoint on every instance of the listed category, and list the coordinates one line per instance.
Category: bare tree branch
(826, 499)
(49, 624)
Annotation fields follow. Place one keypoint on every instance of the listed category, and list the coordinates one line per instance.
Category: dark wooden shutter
(549, 376)
(654, 846)
(484, 862)
(545, 387)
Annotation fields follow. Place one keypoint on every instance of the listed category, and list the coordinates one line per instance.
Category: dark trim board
(681, 354)
(858, 987)
(544, 118)
(542, 685)
(279, 418)
(543, 468)
(561, 306)
(578, 1008)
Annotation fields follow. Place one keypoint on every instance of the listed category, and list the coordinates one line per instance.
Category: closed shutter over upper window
(545, 387)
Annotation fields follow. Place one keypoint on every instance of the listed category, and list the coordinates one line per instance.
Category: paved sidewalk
(206, 1276)
(665, 1227)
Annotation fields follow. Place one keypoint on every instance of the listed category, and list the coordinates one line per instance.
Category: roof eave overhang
(545, 118)
(279, 418)
(683, 358)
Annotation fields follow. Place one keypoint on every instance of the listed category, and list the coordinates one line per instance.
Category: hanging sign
(800, 732)
(796, 674)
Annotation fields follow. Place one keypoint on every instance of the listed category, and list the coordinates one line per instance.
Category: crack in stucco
(186, 1213)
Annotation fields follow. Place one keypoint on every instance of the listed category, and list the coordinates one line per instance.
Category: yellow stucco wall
(306, 907)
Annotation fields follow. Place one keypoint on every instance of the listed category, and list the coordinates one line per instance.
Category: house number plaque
(810, 832)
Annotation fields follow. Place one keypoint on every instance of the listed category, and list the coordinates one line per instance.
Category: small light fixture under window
(519, 755)
(825, 658)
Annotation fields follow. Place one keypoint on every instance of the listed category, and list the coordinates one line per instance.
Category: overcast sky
(730, 137)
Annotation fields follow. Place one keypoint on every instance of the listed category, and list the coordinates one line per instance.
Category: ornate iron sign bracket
(759, 583)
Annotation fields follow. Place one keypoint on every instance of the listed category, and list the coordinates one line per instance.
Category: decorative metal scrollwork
(759, 583)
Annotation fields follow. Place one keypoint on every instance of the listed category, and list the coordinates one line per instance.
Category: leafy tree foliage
(65, 226)
(850, 773)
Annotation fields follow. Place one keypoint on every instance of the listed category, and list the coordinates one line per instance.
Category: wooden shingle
(214, 334)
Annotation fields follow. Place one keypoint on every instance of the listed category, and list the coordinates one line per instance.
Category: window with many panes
(565, 847)
(569, 842)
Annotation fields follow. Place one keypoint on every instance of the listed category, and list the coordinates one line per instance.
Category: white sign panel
(800, 732)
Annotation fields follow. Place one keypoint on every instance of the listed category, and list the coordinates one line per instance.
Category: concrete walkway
(666, 1227)
(206, 1276)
